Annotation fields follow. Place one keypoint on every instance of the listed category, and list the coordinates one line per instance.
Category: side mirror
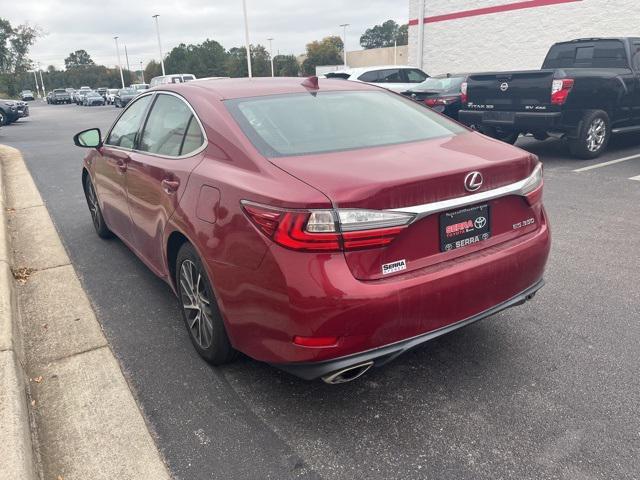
(90, 138)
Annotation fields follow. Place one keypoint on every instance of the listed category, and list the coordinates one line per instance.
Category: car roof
(355, 70)
(230, 88)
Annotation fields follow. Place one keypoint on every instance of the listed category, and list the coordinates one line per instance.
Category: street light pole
(271, 54)
(159, 44)
(246, 37)
(35, 77)
(119, 63)
(344, 42)
(126, 56)
(141, 71)
(44, 90)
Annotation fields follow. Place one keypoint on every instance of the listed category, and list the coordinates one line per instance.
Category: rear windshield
(595, 54)
(299, 124)
(440, 85)
(60, 90)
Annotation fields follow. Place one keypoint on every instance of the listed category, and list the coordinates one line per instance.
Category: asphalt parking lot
(547, 390)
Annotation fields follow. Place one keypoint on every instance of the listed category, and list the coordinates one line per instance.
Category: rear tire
(94, 209)
(3, 119)
(593, 136)
(200, 310)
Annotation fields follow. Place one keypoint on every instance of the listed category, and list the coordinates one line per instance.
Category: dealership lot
(545, 390)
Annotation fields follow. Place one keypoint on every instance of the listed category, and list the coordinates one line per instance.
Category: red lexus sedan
(322, 227)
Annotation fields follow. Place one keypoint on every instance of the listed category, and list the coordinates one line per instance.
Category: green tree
(236, 63)
(206, 59)
(15, 43)
(286, 66)
(79, 58)
(327, 51)
(153, 69)
(384, 35)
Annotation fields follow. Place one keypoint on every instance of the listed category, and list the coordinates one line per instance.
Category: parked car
(393, 77)
(140, 87)
(23, 109)
(442, 93)
(111, 95)
(9, 112)
(59, 95)
(103, 92)
(92, 98)
(323, 242)
(27, 95)
(124, 96)
(71, 93)
(175, 78)
(79, 96)
(586, 90)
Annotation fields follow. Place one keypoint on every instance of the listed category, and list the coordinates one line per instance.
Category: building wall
(379, 56)
(485, 35)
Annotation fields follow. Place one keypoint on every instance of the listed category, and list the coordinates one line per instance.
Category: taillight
(560, 90)
(434, 102)
(532, 189)
(327, 230)
(463, 92)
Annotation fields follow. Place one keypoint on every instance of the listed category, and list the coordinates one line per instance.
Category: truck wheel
(593, 136)
(499, 134)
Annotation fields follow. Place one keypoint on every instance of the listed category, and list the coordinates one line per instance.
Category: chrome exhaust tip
(348, 374)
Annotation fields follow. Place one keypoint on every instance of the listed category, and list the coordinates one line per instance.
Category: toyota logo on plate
(473, 181)
(480, 222)
(504, 86)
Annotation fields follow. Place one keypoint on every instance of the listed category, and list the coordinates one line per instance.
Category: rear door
(171, 145)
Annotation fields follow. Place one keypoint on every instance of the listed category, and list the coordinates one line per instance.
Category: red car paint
(269, 294)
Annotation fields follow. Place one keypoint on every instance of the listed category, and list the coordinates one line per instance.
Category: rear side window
(169, 121)
(300, 124)
(123, 133)
(414, 75)
(370, 77)
(390, 76)
(596, 54)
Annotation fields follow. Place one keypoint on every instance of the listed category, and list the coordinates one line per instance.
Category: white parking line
(637, 177)
(606, 164)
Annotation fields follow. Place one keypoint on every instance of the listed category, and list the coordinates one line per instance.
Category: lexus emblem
(504, 86)
(473, 181)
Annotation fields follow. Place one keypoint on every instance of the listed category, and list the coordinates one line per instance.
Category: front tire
(593, 136)
(3, 119)
(200, 310)
(94, 209)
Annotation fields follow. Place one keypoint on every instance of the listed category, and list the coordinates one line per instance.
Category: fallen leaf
(45, 325)
(33, 403)
(22, 274)
(38, 379)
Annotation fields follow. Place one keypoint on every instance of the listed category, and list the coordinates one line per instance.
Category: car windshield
(440, 85)
(299, 124)
(93, 94)
(127, 91)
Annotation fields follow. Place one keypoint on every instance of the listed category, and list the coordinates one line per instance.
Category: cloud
(74, 24)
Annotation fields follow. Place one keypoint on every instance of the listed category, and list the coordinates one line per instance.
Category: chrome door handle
(170, 186)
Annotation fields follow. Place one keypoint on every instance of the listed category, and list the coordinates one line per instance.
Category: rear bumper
(519, 121)
(382, 355)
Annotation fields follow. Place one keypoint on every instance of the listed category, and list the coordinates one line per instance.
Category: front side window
(300, 124)
(169, 121)
(123, 133)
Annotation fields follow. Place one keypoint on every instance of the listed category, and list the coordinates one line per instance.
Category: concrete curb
(17, 459)
(87, 423)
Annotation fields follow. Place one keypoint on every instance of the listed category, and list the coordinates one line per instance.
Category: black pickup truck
(586, 90)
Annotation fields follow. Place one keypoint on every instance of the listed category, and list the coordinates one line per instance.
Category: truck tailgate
(510, 91)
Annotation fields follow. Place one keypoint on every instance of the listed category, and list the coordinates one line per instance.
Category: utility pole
(159, 44)
(344, 42)
(35, 77)
(246, 37)
(44, 90)
(119, 63)
(395, 51)
(141, 71)
(271, 54)
(126, 56)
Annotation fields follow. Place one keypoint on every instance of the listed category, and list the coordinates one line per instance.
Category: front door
(170, 147)
(110, 169)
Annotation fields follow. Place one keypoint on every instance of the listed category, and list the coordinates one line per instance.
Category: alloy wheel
(196, 304)
(94, 208)
(596, 135)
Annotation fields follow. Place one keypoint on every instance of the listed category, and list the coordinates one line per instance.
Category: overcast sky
(89, 24)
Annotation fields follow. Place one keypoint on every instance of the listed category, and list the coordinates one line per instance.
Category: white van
(175, 78)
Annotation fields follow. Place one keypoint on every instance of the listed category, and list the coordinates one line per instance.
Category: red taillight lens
(327, 230)
(315, 341)
(560, 90)
(463, 92)
(431, 102)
